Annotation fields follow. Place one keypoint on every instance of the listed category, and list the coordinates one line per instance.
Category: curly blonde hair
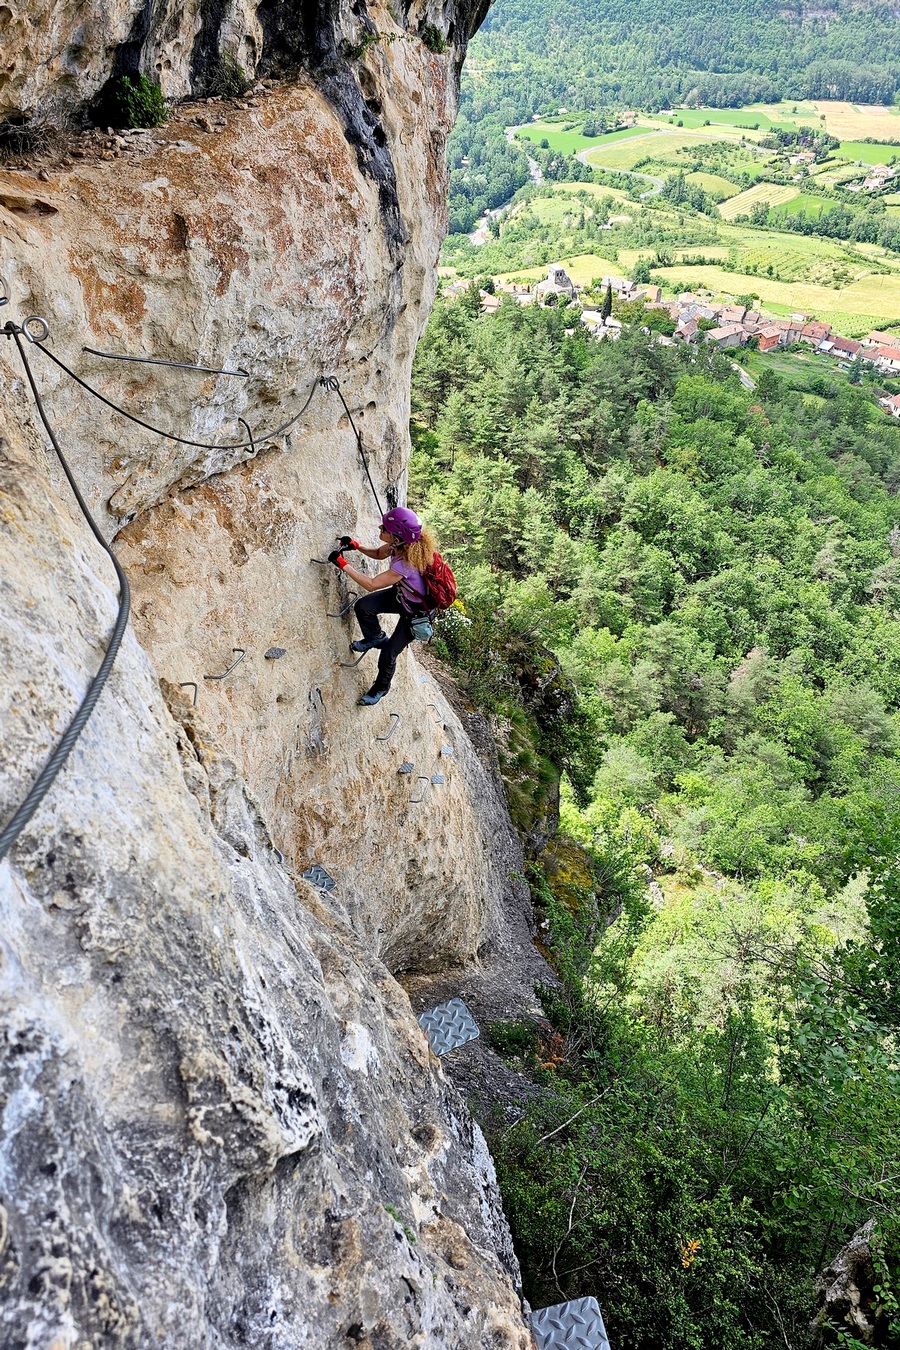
(420, 553)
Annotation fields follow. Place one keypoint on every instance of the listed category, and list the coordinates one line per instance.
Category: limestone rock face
(846, 1302)
(221, 1124)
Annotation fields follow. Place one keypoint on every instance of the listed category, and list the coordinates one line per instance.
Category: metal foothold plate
(446, 749)
(438, 779)
(318, 877)
(448, 1026)
(577, 1325)
(406, 767)
(275, 653)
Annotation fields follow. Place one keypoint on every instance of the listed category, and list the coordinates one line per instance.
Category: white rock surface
(221, 1125)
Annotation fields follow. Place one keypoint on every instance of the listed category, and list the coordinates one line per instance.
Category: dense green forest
(684, 599)
(533, 55)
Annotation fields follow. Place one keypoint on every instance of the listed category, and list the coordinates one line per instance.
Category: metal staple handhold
(243, 653)
(350, 665)
(421, 778)
(348, 605)
(395, 722)
(191, 684)
(437, 715)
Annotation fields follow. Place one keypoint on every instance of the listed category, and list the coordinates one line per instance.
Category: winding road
(658, 185)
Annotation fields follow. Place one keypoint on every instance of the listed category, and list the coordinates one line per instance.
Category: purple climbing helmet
(403, 523)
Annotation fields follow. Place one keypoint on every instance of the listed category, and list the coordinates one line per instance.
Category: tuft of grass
(229, 79)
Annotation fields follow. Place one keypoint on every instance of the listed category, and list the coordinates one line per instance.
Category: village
(697, 317)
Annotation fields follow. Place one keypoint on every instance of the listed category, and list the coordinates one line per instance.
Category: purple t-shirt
(411, 590)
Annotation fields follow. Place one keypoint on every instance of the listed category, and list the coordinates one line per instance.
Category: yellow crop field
(773, 193)
(854, 122)
(583, 268)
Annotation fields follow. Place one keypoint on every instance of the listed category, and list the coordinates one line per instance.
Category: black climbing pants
(367, 611)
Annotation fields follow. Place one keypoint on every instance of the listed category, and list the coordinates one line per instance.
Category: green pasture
(866, 153)
(589, 189)
(718, 187)
(572, 142)
(743, 119)
(799, 369)
(804, 204)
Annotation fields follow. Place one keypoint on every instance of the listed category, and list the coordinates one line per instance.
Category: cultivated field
(718, 187)
(661, 145)
(583, 268)
(571, 142)
(803, 204)
(741, 205)
(851, 121)
(871, 302)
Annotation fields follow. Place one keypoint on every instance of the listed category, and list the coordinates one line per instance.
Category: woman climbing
(400, 590)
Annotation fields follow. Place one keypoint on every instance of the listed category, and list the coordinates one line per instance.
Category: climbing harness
(46, 777)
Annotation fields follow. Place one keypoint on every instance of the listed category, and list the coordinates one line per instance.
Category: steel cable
(10, 833)
(328, 382)
(334, 385)
(170, 435)
(45, 779)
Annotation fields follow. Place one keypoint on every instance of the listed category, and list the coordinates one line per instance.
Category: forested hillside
(686, 598)
(532, 54)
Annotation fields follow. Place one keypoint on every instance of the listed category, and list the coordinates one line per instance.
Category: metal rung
(448, 1026)
(577, 1325)
(242, 653)
(421, 778)
(191, 684)
(351, 665)
(395, 722)
(351, 599)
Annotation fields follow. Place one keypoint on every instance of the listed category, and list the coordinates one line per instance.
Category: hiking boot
(366, 644)
(373, 696)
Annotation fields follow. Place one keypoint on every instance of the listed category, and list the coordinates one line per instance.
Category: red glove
(347, 542)
(337, 557)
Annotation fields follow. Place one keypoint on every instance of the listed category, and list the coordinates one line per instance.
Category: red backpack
(440, 584)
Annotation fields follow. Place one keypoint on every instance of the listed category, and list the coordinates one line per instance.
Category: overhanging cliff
(221, 1123)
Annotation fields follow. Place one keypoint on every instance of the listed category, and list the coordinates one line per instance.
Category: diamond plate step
(448, 1026)
(577, 1325)
(317, 876)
